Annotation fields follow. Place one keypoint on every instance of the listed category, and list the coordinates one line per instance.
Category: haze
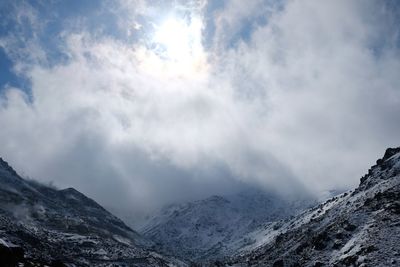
(142, 103)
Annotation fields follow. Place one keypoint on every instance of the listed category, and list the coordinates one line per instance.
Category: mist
(295, 97)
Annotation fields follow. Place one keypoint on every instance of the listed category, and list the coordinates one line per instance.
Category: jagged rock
(358, 228)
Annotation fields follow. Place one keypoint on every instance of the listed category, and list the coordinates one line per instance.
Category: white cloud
(304, 104)
(325, 90)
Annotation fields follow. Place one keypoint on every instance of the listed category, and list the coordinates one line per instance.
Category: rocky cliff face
(357, 228)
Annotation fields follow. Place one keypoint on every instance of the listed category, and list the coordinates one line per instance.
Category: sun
(176, 46)
(173, 39)
(178, 39)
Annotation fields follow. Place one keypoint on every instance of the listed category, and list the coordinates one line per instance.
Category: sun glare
(177, 46)
(174, 36)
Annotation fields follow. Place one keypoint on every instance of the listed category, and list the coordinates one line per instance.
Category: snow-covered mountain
(357, 228)
(209, 229)
(40, 225)
(43, 226)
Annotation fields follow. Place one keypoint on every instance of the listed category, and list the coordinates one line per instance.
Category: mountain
(357, 228)
(43, 226)
(209, 229)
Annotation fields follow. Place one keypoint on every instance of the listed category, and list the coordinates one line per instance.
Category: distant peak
(218, 199)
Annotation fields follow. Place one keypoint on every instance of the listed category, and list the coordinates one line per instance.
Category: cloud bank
(293, 96)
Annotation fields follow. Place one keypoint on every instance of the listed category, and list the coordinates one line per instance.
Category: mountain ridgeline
(215, 227)
(44, 226)
(357, 228)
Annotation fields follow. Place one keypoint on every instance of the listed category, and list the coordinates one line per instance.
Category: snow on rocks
(357, 228)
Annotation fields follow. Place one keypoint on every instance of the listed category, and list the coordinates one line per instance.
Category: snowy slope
(356, 228)
(208, 229)
(43, 225)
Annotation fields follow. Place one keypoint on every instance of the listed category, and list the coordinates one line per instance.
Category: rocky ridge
(357, 228)
(43, 226)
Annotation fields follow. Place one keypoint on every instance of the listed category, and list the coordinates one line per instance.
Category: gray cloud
(305, 103)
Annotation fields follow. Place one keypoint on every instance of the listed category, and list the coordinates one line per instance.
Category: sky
(140, 103)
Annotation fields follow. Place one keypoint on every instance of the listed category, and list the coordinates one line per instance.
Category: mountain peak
(5, 166)
(216, 199)
(71, 190)
(356, 228)
(390, 152)
(386, 167)
(38, 218)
